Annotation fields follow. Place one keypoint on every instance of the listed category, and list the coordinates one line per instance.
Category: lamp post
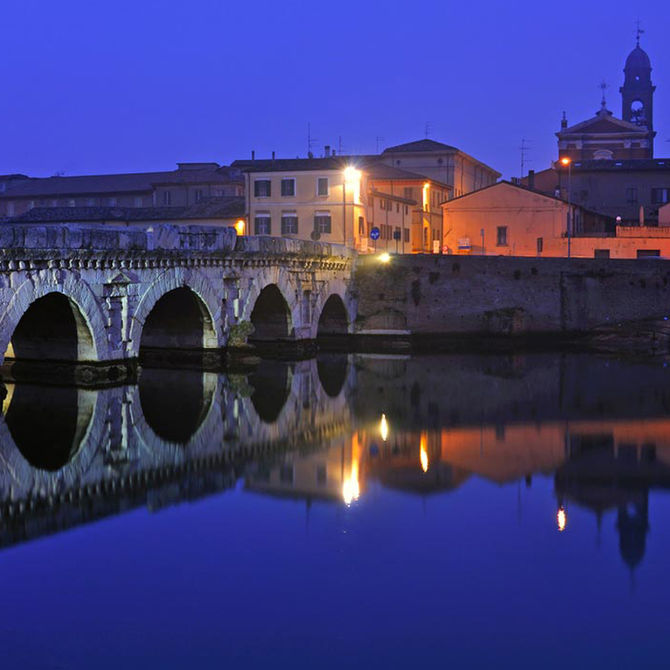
(567, 162)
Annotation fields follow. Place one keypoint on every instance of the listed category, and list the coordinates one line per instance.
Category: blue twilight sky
(134, 85)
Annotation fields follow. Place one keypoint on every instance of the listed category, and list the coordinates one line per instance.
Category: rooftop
(224, 207)
(186, 173)
(420, 146)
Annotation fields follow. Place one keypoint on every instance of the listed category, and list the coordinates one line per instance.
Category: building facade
(341, 199)
(442, 163)
(510, 220)
(187, 185)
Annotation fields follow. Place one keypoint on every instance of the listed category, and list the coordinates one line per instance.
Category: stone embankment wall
(423, 295)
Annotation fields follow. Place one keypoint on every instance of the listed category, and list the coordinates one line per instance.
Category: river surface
(346, 512)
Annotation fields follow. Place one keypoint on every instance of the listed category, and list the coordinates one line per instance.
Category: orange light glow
(561, 518)
(351, 488)
(239, 227)
(423, 453)
(565, 161)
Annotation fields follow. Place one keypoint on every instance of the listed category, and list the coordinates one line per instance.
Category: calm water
(348, 512)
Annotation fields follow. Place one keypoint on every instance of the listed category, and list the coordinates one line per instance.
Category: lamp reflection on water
(561, 518)
(384, 428)
(423, 453)
(351, 488)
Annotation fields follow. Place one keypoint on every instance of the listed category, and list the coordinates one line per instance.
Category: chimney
(333, 152)
(531, 179)
(327, 150)
(273, 155)
(564, 122)
(253, 155)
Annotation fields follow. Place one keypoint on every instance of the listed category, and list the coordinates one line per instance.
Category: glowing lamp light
(561, 519)
(565, 161)
(239, 227)
(385, 257)
(351, 174)
(384, 428)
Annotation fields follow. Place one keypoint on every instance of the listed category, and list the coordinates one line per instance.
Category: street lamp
(567, 162)
(352, 176)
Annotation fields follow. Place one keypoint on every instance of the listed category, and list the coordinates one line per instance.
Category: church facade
(606, 163)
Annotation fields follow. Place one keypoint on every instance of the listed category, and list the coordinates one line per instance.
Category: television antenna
(524, 150)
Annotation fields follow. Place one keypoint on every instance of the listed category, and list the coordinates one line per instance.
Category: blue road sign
(374, 233)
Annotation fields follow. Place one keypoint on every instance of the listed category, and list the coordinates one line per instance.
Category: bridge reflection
(332, 428)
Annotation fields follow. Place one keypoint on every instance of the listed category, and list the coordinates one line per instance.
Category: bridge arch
(287, 286)
(174, 292)
(332, 312)
(54, 320)
(333, 319)
(271, 316)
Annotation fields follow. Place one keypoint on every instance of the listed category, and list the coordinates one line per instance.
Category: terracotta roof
(301, 164)
(115, 183)
(420, 145)
(224, 207)
(527, 190)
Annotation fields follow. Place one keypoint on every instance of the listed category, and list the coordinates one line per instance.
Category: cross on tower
(639, 32)
(603, 88)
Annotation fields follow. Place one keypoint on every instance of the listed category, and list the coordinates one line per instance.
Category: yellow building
(340, 199)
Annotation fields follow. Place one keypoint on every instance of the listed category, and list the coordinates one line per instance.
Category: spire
(603, 101)
(638, 33)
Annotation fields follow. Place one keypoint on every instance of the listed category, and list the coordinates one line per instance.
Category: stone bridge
(101, 295)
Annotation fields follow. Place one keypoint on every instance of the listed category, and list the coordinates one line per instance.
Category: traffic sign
(374, 233)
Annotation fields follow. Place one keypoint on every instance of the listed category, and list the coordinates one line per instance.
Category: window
(321, 474)
(111, 202)
(287, 187)
(502, 236)
(409, 192)
(406, 209)
(289, 224)
(138, 201)
(406, 234)
(262, 224)
(601, 253)
(540, 245)
(361, 226)
(659, 195)
(371, 201)
(198, 194)
(167, 198)
(397, 207)
(322, 222)
(631, 196)
(322, 186)
(648, 253)
(262, 188)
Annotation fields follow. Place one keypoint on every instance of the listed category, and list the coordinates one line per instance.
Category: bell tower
(637, 92)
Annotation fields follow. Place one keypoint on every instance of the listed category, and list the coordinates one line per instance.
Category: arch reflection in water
(48, 423)
(332, 370)
(271, 383)
(175, 402)
(52, 328)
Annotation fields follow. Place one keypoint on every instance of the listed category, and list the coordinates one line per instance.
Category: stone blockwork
(113, 276)
(424, 295)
